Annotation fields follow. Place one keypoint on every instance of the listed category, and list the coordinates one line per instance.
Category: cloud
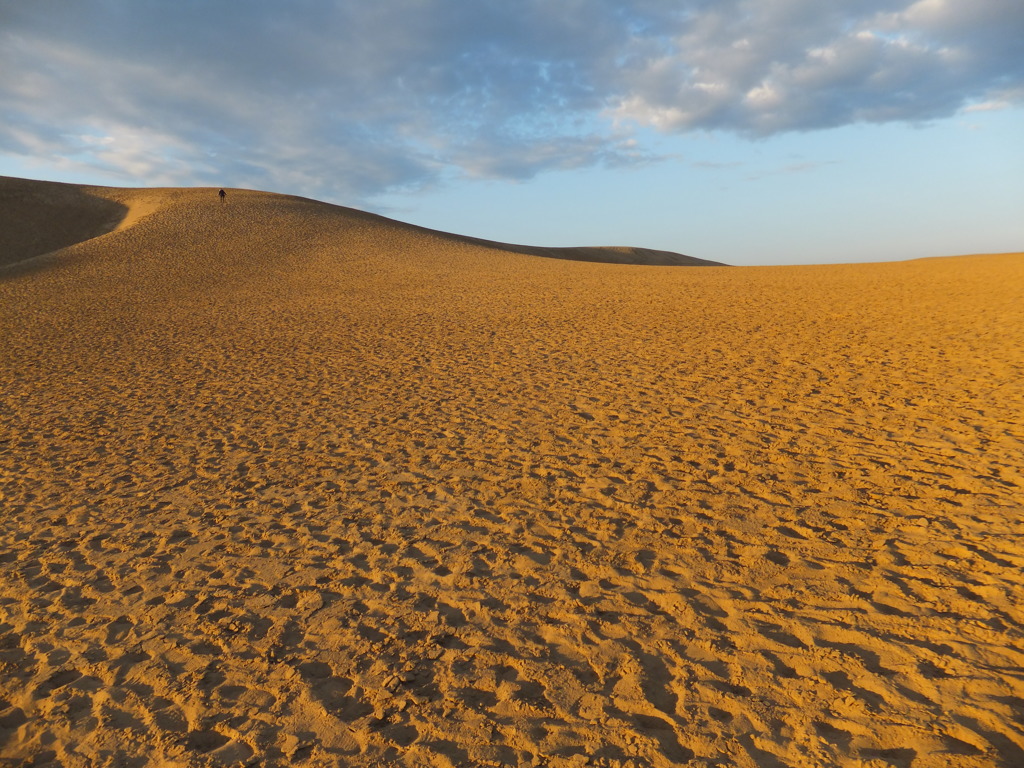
(346, 100)
(759, 67)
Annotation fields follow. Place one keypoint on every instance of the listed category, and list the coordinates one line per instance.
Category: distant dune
(288, 484)
(40, 217)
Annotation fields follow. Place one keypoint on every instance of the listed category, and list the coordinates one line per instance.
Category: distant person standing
(222, 194)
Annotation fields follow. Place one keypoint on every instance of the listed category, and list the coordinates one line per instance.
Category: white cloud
(987, 106)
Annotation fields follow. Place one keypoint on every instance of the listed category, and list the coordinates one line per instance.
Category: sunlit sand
(288, 484)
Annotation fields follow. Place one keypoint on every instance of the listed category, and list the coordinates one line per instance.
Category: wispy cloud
(348, 99)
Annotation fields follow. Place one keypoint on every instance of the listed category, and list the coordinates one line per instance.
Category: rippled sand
(287, 484)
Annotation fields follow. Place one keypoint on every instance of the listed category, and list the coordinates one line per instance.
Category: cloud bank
(350, 99)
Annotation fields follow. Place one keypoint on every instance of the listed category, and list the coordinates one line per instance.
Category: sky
(744, 131)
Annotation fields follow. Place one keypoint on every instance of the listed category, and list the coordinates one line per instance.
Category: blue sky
(744, 131)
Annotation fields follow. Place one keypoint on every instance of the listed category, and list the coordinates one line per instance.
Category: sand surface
(287, 484)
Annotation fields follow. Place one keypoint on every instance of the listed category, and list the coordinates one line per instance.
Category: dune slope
(286, 484)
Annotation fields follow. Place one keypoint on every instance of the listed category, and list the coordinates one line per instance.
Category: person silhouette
(222, 194)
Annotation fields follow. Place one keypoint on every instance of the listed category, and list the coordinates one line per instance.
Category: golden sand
(288, 484)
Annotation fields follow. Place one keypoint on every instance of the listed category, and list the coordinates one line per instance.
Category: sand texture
(287, 484)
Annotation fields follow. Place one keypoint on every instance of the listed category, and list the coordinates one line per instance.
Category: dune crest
(287, 484)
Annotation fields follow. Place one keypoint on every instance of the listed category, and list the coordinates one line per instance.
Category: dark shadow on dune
(39, 217)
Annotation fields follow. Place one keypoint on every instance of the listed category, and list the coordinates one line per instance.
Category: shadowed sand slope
(39, 217)
(284, 484)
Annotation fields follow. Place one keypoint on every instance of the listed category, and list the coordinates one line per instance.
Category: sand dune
(288, 484)
(42, 217)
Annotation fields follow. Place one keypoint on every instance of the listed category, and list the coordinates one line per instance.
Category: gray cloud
(346, 100)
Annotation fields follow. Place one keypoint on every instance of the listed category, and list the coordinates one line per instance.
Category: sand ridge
(288, 484)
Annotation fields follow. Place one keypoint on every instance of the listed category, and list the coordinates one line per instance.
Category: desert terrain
(287, 484)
